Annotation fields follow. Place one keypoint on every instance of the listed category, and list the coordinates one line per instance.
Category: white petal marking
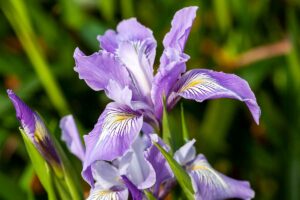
(103, 195)
(134, 56)
(200, 83)
(117, 122)
(207, 175)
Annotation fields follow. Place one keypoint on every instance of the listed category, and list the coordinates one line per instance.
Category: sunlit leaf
(40, 166)
(182, 177)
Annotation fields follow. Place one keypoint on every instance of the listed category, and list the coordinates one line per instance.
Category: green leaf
(71, 181)
(185, 133)
(166, 133)
(40, 166)
(149, 195)
(182, 177)
(9, 190)
(16, 13)
(26, 179)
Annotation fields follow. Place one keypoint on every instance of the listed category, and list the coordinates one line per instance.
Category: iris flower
(37, 132)
(208, 183)
(135, 171)
(123, 68)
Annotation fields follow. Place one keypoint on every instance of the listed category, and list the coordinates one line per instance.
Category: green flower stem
(15, 11)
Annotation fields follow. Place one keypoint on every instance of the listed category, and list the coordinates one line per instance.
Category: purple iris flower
(37, 132)
(208, 183)
(123, 68)
(133, 171)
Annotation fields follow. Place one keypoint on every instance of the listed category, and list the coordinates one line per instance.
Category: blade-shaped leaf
(40, 166)
(185, 133)
(166, 133)
(182, 177)
(149, 195)
(71, 181)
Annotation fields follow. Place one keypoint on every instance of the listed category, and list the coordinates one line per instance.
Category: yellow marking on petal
(199, 167)
(104, 192)
(212, 171)
(192, 83)
(123, 117)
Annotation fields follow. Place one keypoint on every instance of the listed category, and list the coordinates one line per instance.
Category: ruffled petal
(172, 61)
(135, 47)
(203, 84)
(181, 26)
(132, 30)
(186, 153)
(70, 136)
(210, 185)
(112, 136)
(99, 68)
(166, 78)
(108, 41)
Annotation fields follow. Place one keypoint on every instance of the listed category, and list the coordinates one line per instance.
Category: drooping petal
(203, 84)
(140, 171)
(108, 41)
(98, 68)
(136, 194)
(106, 175)
(103, 194)
(172, 61)
(159, 163)
(210, 184)
(186, 153)
(70, 136)
(181, 26)
(112, 136)
(37, 132)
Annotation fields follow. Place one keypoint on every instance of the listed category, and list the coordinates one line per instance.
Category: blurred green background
(256, 39)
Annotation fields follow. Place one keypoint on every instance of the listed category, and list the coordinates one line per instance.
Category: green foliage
(149, 195)
(181, 175)
(40, 166)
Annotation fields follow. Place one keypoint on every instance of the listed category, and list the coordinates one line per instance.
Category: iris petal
(210, 184)
(37, 132)
(112, 136)
(135, 47)
(202, 84)
(106, 194)
(186, 153)
(71, 136)
(99, 68)
(172, 62)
